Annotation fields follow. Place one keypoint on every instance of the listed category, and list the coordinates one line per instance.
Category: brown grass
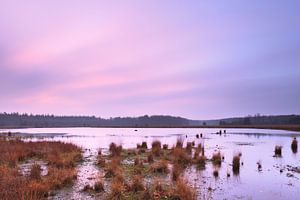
(176, 172)
(236, 164)
(117, 189)
(179, 143)
(101, 161)
(181, 157)
(217, 158)
(294, 145)
(165, 147)
(183, 191)
(160, 167)
(150, 158)
(189, 147)
(201, 161)
(113, 168)
(137, 184)
(61, 157)
(137, 161)
(216, 173)
(99, 186)
(156, 148)
(115, 150)
(278, 151)
(35, 172)
(144, 145)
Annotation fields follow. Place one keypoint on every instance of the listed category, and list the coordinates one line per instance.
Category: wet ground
(278, 177)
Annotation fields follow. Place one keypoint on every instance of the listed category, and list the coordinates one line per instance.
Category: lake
(275, 180)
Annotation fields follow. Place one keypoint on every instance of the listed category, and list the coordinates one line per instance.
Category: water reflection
(269, 181)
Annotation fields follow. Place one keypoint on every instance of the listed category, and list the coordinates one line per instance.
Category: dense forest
(263, 120)
(25, 120)
(16, 120)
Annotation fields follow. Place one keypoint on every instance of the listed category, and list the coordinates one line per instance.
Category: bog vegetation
(61, 159)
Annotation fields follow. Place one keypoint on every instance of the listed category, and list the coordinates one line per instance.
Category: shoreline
(274, 127)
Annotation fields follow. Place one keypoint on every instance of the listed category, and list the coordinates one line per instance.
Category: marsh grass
(150, 158)
(189, 147)
(177, 170)
(217, 158)
(160, 167)
(278, 151)
(144, 145)
(115, 150)
(62, 159)
(236, 164)
(165, 147)
(156, 148)
(179, 143)
(294, 145)
(181, 157)
(35, 172)
(137, 184)
(183, 191)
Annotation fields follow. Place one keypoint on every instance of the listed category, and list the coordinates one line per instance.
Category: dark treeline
(263, 120)
(16, 120)
(24, 120)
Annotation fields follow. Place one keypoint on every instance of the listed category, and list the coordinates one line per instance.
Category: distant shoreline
(275, 127)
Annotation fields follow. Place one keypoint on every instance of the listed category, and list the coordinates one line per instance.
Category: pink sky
(128, 58)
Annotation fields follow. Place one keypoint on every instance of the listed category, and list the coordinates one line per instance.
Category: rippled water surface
(274, 181)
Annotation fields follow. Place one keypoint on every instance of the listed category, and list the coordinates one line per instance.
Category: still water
(274, 181)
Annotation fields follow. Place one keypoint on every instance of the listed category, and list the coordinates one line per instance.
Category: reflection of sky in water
(250, 183)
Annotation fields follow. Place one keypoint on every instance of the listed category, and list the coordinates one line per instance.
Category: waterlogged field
(260, 175)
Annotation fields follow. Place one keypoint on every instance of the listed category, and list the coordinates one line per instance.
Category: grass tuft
(278, 151)
(294, 145)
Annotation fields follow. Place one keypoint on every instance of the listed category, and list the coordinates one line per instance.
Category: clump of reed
(115, 150)
(59, 178)
(137, 184)
(150, 158)
(100, 159)
(176, 172)
(217, 158)
(189, 147)
(183, 191)
(294, 145)
(199, 160)
(137, 161)
(278, 151)
(144, 145)
(160, 167)
(35, 172)
(156, 148)
(113, 168)
(179, 143)
(117, 188)
(236, 164)
(181, 157)
(98, 186)
(259, 165)
(165, 147)
(216, 173)
(138, 169)
(131, 152)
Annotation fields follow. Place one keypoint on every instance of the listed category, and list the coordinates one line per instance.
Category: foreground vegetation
(148, 173)
(142, 173)
(61, 159)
